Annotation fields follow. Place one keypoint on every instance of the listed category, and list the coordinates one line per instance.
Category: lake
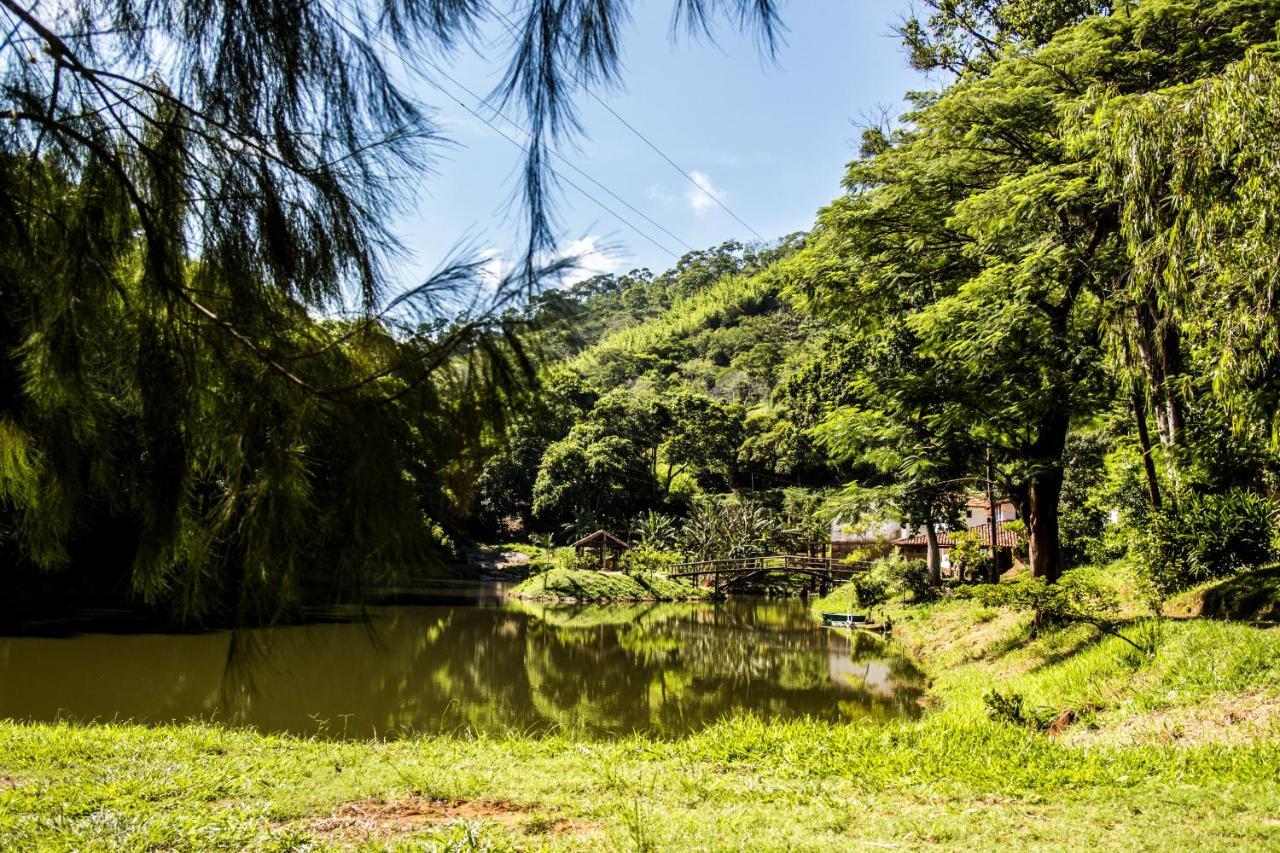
(473, 661)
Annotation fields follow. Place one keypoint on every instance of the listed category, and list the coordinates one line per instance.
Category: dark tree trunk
(1044, 493)
(1144, 442)
(1160, 349)
(1042, 525)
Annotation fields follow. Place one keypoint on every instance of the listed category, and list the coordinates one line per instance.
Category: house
(977, 511)
(606, 548)
(916, 547)
(876, 538)
(888, 535)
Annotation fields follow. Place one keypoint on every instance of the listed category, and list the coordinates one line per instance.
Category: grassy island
(585, 585)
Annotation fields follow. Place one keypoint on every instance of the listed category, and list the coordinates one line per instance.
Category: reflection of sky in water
(662, 668)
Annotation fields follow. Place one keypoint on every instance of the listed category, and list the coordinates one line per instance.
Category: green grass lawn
(743, 784)
(578, 585)
(1177, 749)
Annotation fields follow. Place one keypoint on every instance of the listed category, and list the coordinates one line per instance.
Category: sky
(770, 139)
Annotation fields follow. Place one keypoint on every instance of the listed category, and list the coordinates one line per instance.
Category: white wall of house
(846, 531)
(976, 516)
(849, 530)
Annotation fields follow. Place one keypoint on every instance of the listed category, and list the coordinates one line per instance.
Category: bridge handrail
(760, 564)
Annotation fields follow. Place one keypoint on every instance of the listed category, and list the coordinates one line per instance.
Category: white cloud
(701, 198)
(494, 267)
(594, 258)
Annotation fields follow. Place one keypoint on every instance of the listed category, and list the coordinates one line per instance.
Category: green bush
(1077, 596)
(907, 577)
(893, 575)
(649, 560)
(971, 556)
(574, 562)
(870, 588)
(1204, 537)
(1012, 708)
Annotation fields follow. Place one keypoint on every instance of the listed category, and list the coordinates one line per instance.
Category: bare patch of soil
(374, 820)
(7, 782)
(1227, 719)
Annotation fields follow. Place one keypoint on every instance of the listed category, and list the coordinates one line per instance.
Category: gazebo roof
(601, 537)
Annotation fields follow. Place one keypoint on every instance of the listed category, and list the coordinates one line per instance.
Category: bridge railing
(796, 563)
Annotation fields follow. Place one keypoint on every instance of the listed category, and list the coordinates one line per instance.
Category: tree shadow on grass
(644, 584)
(1083, 641)
(1248, 597)
(1077, 641)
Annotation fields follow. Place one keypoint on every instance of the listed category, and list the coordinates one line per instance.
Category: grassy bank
(742, 784)
(1177, 748)
(1192, 681)
(577, 585)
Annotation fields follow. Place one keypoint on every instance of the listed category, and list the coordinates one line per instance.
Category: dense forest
(289, 548)
(664, 396)
(1054, 277)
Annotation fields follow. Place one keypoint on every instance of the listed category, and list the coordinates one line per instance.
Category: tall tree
(186, 187)
(984, 224)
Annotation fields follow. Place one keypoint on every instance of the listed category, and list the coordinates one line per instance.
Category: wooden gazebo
(603, 545)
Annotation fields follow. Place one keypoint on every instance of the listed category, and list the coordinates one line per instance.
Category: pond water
(480, 663)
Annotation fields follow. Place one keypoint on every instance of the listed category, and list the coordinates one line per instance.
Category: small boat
(843, 620)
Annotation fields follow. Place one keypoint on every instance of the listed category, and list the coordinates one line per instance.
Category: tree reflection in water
(665, 669)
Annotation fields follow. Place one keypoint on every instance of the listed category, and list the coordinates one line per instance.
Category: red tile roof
(1004, 538)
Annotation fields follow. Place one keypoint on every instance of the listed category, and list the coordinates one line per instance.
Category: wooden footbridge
(727, 574)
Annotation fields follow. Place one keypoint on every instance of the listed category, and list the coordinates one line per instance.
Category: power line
(511, 28)
(673, 163)
(551, 151)
(604, 206)
(412, 62)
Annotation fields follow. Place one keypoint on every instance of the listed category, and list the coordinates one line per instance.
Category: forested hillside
(1051, 281)
(665, 393)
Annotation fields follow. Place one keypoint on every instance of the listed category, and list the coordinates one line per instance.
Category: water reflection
(661, 668)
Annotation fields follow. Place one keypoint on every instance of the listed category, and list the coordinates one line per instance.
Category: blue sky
(770, 139)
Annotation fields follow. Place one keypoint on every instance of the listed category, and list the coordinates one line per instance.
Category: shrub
(871, 588)
(908, 577)
(539, 565)
(1077, 596)
(645, 560)
(654, 531)
(1012, 708)
(971, 556)
(572, 561)
(893, 575)
(1204, 537)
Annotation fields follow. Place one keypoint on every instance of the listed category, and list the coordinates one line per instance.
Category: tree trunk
(1042, 525)
(1044, 493)
(933, 554)
(1144, 442)
(1159, 344)
(1171, 358)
